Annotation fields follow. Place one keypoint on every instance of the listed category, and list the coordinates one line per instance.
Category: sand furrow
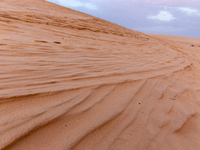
(69, 80)
(36, 120)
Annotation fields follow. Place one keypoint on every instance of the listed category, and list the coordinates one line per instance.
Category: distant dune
(69, 80)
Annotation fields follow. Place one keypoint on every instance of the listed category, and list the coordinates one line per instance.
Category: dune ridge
(69, 80)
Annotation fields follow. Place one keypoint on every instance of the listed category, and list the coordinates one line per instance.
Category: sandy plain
(69, 80)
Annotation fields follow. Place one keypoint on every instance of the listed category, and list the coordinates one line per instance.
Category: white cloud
(189, 11)
(76, 3)
(162, 16)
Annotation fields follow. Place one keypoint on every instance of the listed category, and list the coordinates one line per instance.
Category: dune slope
(69, 80)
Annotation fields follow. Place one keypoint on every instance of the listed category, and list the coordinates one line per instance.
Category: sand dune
(72, 81)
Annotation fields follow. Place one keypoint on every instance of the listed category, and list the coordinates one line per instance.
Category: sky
(170, 17)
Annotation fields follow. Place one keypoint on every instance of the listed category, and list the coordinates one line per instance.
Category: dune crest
(69, 80)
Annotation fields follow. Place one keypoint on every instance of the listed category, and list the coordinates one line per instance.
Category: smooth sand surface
(72, 81)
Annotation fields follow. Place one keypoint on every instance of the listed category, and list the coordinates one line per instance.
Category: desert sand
(69, 80)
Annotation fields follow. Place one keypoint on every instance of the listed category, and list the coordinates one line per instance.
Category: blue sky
(171, 17)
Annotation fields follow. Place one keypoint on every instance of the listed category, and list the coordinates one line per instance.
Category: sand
(69, 80)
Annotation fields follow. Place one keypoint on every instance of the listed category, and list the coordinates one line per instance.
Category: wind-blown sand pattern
(72, 81)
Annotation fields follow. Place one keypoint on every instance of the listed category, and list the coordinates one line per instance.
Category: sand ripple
(72, 81)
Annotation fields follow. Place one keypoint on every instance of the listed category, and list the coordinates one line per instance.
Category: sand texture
(72, 81)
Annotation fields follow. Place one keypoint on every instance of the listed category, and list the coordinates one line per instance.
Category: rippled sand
(72, 81)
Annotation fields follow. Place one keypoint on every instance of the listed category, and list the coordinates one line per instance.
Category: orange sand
(72, 81)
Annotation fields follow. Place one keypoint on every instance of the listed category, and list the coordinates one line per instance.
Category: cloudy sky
(171, 17)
